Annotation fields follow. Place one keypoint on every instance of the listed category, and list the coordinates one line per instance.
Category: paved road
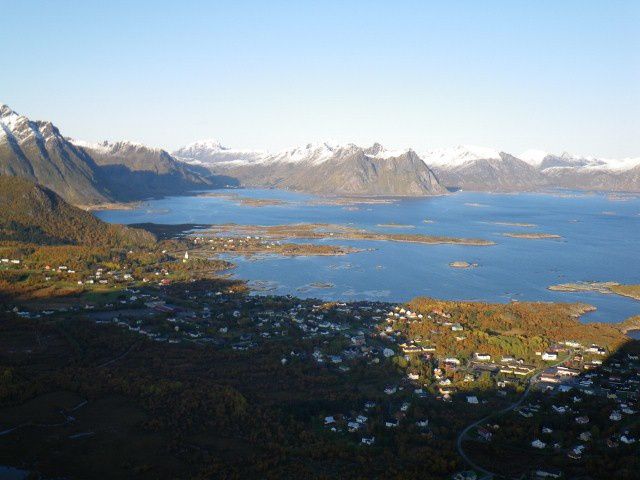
(486, 473)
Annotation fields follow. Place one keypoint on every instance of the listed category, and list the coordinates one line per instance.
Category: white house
(538, 444)
(368, 440)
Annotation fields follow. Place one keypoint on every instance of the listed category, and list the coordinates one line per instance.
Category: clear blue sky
(556, 75)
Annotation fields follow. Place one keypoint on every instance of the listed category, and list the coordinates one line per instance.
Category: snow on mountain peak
(315, 152)
(458, 155)
(208, 144)
(5, 111)
(533, 156)
(21, 128)
(8, 118)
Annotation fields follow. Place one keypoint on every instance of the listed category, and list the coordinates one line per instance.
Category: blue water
(601, 242)
(10, 473)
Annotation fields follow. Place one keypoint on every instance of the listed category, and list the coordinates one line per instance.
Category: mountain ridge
(89, 174)
(324, 168)
(461, 167)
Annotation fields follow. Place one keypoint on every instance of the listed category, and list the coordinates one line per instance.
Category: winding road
(486, 473)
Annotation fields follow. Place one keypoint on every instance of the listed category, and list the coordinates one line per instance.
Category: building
(482, 357)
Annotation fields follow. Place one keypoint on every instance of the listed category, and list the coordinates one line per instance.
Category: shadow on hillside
(159, 386)
(130, 185)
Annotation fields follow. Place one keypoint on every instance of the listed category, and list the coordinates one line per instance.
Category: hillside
(32, 213)
(152, 170)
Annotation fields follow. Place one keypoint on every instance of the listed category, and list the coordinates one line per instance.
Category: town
(432, 368)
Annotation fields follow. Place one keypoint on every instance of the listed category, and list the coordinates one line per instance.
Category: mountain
(594, 178)
(85, 173)
(481, 169)
(322, 168)
(484, 169)
(37, 151)
(152, 170)
(202, 151)
(32, 213)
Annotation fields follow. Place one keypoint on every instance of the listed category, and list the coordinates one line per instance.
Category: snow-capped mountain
(464, 166)
(37, 151)
(497, 172)
(567, 160)
(88, 173)
(323, 168)
(478, 168)
(458, 155)
(533, 156)
(154, 171)
(84, 172)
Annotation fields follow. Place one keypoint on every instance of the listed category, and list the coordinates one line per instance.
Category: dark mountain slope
(152, 171)
(32, 213)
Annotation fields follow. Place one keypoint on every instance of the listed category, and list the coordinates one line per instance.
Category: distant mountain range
(86, 173)
(461, 167)
(321, 168)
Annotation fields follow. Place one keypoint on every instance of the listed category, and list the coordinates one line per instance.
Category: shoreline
(604, 288)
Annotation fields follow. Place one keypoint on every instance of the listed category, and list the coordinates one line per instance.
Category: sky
(514, 75)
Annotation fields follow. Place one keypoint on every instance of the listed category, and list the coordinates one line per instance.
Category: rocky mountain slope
(322, 168)
(349, 169)
(37, 151)
(475, 168)
(87, 174)
(483, 170)
(84, 173)
(152, 170)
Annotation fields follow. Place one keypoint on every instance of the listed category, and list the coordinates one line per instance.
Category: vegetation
(126, 358)
(32, 213)
(632, 291)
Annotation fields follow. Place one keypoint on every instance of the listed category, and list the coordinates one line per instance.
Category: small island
(515, 224)
(533, 236)
(245, 201)
(394, 225)
(352, 201)
(318, 231)
(462, 264)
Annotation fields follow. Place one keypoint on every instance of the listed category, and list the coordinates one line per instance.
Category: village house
(538, 444)
(482, 357)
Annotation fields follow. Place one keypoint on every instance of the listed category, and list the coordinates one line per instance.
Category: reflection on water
(10, 473)
(600, 241)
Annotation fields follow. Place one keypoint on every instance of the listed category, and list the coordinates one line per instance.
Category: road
(119, 357)
(486, 473)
